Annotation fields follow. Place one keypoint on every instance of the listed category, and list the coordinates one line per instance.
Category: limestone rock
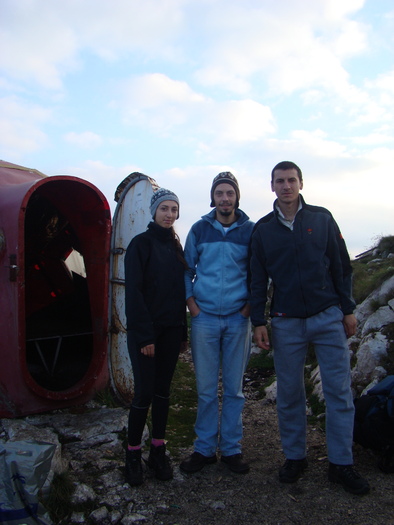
(83, 493)
(369, 355)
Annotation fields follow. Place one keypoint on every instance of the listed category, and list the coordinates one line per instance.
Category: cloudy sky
(183, 89)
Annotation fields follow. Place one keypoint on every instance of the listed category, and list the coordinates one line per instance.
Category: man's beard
(225, 213)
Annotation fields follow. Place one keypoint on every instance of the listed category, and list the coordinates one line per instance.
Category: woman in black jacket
(156, 330)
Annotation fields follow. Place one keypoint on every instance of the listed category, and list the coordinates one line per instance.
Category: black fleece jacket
(309, 265)
(155, 286)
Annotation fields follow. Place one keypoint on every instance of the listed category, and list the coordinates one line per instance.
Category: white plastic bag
(24, 467)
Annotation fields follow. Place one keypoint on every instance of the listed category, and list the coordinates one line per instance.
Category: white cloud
(105, 177)
(318, 143)
(301, 143)
(121, 26)
(292, 45)
(168, 106)
(235, 40)
(337, 9)
(45, 40)
(241, 121)
(40, 46)
(351, 41)
(158, 103)
(384, 82)
(86, 140)
(20, 127)
(156, 89)
(374, 139)
(358, 193)
(206, 85)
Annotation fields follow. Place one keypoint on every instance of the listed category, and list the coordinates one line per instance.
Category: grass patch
(58, 503)
(107, 398)
(183, 408)
(260, 372)
(388, 360)
(386, 245)
(317, 407)
(262, 361)
(368, 274)
(368, 277)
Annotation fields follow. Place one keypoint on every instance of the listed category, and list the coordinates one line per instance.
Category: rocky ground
(218, 496)
(93, 454)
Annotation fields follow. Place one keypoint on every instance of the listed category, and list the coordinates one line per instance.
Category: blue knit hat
(159, 196)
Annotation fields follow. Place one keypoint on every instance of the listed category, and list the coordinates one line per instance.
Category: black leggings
(152, 381)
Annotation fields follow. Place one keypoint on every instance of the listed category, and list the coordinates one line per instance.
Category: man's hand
(350, 324)
(245, 310)
(148, 350)
(193, 307)
(261, 337)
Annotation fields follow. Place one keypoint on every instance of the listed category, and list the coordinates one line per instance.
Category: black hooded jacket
(154, 281)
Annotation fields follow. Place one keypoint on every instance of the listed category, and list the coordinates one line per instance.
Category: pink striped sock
(157, 442)
(136, 447)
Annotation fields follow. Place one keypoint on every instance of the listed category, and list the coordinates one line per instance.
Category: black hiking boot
(292, 470)
(236, 463)
(160, 463)
(348, 478)
(196, 462)
(133, 469)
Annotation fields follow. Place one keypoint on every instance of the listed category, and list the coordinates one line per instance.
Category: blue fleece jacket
(218, 264)
(309, 265)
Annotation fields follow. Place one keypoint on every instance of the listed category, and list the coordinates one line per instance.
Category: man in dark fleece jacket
(300, 248)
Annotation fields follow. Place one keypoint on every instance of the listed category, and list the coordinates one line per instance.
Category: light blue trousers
(290, 337)
(219, 341)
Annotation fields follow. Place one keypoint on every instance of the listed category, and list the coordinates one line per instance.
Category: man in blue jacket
(300, 248)
(216, 252)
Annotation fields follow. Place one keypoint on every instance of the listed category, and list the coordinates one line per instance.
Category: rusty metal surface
(21, 390)
(131, 218)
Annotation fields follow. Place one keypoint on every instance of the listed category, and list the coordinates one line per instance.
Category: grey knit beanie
(225, 177)
(159, 196)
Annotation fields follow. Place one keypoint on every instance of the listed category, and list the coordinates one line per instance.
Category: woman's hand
(148, 350)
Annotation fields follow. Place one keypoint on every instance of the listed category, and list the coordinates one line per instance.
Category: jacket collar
(160, 232)
(303, 204)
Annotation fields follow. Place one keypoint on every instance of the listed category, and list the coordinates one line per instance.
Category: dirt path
(218, 496)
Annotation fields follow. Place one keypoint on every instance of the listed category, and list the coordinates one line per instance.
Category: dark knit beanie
(159, 196)
(225, 177)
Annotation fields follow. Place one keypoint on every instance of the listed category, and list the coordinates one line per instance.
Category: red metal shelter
(54, 266)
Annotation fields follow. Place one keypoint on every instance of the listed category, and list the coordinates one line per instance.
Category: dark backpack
(374, 422)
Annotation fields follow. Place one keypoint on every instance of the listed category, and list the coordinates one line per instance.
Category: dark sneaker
(133, 469)
(236, 464)
(292, 470)
(196, 462)
(160, 463)
(348, 478)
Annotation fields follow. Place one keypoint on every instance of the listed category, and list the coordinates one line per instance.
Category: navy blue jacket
(309, 265)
